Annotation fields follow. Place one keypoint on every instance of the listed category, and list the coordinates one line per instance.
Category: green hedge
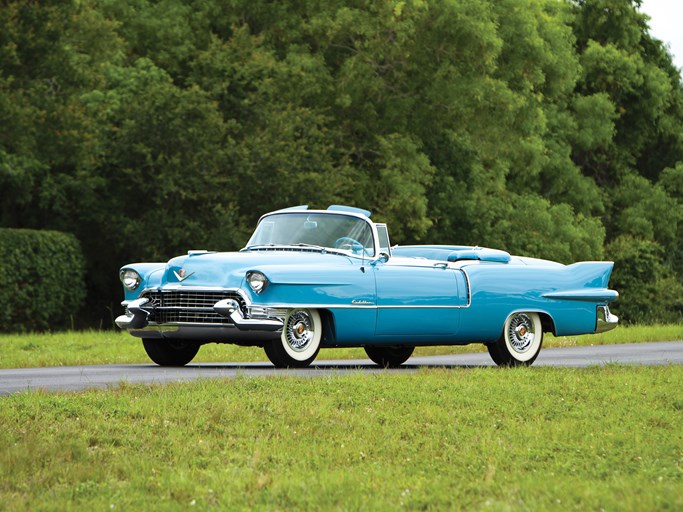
(43, 279)
(649, 291)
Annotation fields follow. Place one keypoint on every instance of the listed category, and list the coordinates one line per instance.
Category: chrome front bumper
(136, 322)
(606, 320)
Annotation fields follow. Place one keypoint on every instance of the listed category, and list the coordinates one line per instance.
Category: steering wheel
(349, 244)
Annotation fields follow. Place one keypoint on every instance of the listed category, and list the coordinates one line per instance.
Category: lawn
(115, 347)
(601, 438)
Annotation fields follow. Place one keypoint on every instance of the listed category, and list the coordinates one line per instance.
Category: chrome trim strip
(352, 306)
(180, 308)
(175, 287)
(422, 307)
(178, 286)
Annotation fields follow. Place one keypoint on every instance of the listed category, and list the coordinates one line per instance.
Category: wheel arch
(329, 335)
(547, 322)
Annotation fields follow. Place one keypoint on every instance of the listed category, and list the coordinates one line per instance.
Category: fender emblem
(181, 275)
(357, 302)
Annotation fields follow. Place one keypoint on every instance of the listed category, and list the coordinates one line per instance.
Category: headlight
(130, 279)
(257, 281)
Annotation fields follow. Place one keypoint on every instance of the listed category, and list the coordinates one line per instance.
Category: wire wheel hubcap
(521, 332)
(299, 331)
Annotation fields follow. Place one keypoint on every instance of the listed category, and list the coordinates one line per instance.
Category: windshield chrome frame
(332, 250)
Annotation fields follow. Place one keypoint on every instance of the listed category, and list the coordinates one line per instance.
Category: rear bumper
(606, 321)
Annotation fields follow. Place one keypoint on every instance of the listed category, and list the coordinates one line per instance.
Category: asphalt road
(74, 378)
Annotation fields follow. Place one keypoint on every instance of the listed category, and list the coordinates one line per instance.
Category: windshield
(331, 231)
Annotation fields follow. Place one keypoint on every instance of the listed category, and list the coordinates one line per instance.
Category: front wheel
(521, 341)
(170, 352)
(300, 340)
(389, 357)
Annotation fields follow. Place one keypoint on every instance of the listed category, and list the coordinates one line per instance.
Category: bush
(649, 291)
(43, 279)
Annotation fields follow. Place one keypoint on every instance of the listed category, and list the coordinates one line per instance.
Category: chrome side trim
(587, 295)
(606, 321)
(352, 306)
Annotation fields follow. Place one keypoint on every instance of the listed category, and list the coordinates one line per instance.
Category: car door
(417, 298)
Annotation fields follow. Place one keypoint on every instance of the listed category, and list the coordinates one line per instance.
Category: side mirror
(382, 258)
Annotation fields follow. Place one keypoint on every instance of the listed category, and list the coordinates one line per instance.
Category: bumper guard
(606, 320)
(231, 309)
(135, 317)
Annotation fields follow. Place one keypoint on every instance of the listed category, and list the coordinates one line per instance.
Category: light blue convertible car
(310, 279)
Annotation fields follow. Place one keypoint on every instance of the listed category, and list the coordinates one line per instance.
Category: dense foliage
(547, 128)
(43, 279)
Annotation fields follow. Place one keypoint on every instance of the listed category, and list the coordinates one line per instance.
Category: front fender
(335, 285)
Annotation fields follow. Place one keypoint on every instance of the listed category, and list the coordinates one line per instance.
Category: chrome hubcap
(299, 331)
(521, 332)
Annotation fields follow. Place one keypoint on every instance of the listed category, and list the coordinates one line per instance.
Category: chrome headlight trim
(257, 281)
(130, 278)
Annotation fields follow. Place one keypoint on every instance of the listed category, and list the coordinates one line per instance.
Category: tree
(550, 129)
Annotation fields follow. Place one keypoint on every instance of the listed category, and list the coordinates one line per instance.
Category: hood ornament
(181, 275)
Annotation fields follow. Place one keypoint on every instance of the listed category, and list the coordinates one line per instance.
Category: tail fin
(589, 283)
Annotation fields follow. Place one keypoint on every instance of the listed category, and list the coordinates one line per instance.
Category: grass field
(115, 347)
(602, 438)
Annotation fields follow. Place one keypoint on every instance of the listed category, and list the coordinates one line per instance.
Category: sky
(666, 24)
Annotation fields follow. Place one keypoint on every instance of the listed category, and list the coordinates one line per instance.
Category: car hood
(228, 269)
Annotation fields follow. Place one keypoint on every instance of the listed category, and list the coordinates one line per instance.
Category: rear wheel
(170, 352)
(389, 357)
(521, 341)
(300, 340)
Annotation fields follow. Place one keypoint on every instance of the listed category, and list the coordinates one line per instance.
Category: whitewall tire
(520, 342)
(299, 343)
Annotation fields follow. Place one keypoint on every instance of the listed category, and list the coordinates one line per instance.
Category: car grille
(195, 307)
